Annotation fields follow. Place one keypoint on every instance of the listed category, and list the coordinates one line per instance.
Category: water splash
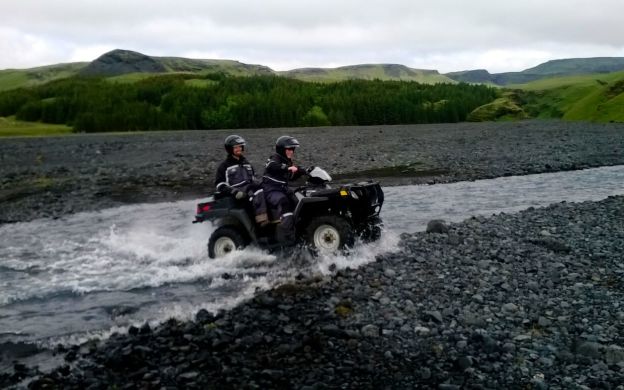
(60, 278)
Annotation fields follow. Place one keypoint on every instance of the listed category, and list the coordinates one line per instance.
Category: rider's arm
(220, 181)
(275, 168)
(300, 172)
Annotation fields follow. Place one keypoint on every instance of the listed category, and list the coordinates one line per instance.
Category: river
(93, 273)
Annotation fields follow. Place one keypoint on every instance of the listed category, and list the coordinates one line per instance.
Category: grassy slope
(10, 79)
(595, 97)
(10, 127)
(16, 78)
(506, 107)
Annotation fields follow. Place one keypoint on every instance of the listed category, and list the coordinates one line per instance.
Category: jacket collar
(282, 158)
(232, 161)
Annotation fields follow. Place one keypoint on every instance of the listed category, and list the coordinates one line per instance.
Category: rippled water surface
(91, 274)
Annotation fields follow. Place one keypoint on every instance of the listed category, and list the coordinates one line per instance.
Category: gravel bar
(53, 176)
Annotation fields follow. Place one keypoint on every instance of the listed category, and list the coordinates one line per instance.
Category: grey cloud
(312, 33)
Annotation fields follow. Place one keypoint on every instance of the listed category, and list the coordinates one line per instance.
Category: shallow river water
(90, 274)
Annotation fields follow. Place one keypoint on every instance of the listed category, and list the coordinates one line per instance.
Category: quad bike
(327, 219)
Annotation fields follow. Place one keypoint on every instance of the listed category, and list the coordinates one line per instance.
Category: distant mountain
(119, 62)
(231, 67)
(368, 72)
(481, 76)
(131, 65)
(554, 68)
(574, 66)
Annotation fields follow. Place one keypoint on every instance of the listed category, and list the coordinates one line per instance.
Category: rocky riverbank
(532, 300)
(50, 177)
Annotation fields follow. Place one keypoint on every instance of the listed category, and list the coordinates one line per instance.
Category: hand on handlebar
(238, 194)
(293, 169)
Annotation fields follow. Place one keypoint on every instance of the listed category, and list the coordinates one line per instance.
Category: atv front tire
(371, 233)
(329, 233)
(225, 240)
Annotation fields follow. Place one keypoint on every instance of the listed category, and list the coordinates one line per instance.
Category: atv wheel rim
(326, 238)
(223, 246)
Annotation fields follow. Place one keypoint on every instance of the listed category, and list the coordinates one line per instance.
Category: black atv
(327, 218)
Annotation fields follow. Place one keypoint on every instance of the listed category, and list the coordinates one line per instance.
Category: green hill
(595, 97)
(507, 107)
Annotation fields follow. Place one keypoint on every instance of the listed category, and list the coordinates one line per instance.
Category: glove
(239, 194)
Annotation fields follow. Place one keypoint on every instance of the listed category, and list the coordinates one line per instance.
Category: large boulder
(437, 226)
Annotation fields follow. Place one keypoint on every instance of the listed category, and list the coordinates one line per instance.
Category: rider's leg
(260, 207)
(281, 206)
(285, 230)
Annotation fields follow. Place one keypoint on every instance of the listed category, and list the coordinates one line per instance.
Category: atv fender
(237, 218)
(303, 201)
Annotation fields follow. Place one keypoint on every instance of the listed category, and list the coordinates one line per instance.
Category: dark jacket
(276, 173)
(234, 173)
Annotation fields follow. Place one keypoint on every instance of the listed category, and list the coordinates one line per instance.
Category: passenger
(236, 176)
(279, 170)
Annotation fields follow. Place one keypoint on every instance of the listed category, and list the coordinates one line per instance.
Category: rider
(236, 176)
(279, 170)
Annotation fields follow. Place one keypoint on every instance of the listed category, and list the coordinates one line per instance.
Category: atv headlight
(344, 192)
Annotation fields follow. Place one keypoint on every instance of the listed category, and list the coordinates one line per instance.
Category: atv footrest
(266, 241)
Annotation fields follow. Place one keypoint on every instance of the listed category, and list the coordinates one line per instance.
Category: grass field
(10, 127)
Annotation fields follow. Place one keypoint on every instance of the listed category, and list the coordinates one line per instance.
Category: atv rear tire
(329, 233)
(225, 240)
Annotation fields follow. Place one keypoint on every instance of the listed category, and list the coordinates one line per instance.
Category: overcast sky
(446, 35)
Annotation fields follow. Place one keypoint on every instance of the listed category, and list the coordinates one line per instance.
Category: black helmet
(285, 142)
(233, 140)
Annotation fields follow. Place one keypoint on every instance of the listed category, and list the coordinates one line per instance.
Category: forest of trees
(172, 102)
